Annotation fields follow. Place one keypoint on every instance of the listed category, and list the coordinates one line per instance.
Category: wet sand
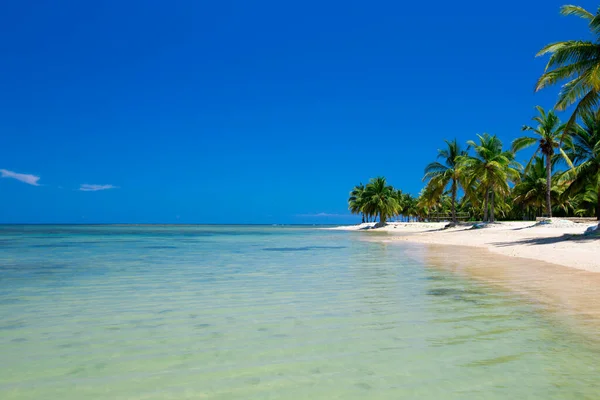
(556, 266)
(571, 293)
(560, 243)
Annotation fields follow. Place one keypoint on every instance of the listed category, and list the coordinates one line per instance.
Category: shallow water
(106, 312)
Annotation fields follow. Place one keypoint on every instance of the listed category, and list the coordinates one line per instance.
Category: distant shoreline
(161, 224)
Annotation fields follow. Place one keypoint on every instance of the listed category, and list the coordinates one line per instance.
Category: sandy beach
(559, 242)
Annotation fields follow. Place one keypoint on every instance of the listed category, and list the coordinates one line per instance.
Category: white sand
(394, 226)
(560, 242)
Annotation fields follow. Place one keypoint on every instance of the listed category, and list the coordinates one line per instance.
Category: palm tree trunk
(548, 185)
(454, 201)
(598, 208)
(492, 216)
(382, 219)
(485, 205)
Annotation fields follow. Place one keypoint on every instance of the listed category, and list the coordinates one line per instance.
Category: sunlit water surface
(231, 312)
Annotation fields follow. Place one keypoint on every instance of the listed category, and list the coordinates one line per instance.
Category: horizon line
(152, 223)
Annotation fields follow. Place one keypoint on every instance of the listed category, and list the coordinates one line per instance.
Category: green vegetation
(562, 178)
(377, 198)
(488, 172)
(549, 132)
(577, 62)
(531, 192)
(447, 174)
(584, 179)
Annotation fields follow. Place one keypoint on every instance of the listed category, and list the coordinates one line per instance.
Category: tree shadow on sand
(552, 240)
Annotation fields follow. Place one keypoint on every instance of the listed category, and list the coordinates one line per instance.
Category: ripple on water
(304, 248)
(342, 318)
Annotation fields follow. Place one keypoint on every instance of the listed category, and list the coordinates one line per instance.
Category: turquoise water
(108, 312)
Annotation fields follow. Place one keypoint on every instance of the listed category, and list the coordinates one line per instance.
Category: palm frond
(564, 72)
(570, 51)
(576, 11)
(566, 158)
(587, 104)
(572, 91)
(522, 143)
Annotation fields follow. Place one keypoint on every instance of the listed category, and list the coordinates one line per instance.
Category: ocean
(262, 312)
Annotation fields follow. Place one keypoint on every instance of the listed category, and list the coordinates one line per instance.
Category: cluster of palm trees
(492, 180)
(562, 177)
(377, 199)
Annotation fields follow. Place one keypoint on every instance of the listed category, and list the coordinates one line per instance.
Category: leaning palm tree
(428, 200)
(380, 199)
(356, 200)
(547, 138)
(433, 205)
(586, 156)
(488, 172)
(577, 62)
(439, 175)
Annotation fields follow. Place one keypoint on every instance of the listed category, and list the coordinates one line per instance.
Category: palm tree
(488, 172)
(430, 202)
(408, 205)
(531, 190)
(586, 201)
(356, 200)
(400, 197)
(547, 137)
(577, 62)
(380, 199)
(429, 197)
(586, 156)
(441, 175)
(413, 207)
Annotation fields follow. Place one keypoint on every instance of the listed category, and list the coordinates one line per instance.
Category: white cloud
(322, 214)
(25, 178)
(94, 188)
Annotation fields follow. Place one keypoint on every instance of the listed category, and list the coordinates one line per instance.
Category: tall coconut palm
(586, 156)
(577, 62)
(439, 175)
(547, 137)
(531, 190)
(488, 171)
(380, 199)
(356, 200)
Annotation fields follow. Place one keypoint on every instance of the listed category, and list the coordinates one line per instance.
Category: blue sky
(251, 112)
